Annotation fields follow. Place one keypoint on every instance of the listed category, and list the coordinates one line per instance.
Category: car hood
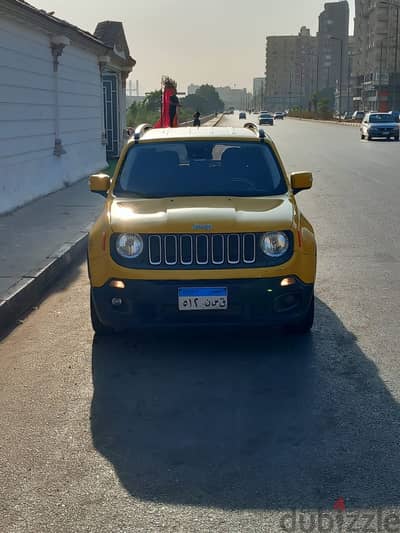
(214, 214)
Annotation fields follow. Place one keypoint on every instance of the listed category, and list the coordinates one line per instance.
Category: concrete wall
(28, 167)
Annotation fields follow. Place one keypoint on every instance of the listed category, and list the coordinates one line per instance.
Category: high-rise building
(290, 71)
(237, 98)
(376, 56)
(258, 93)
(333, 43)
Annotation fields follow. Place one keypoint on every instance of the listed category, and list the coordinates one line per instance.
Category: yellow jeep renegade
(201, 226)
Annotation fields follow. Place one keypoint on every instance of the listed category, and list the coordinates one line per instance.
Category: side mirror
(100, 183)
(301, 181)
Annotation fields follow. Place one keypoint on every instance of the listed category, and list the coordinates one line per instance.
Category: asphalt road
(222, 432)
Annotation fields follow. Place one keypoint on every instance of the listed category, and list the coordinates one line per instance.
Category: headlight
(129, 245)
(274, 244)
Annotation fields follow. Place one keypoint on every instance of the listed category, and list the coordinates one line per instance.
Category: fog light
(116, 302)
(117, 284)
(286, 282)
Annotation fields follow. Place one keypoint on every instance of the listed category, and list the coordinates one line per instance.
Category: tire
(98, 327)
(362, 136)
(304, 325)
(396, 138)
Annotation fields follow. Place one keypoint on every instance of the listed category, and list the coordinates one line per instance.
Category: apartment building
(258, 93)
(290, 70)
(376, 79)
(333, 48)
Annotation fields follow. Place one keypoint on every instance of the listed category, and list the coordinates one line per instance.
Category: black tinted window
(199, 168)
(380, 118)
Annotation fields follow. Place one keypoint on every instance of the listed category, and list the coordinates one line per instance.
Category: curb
(332, 122)
(29, 290)
(218, 120)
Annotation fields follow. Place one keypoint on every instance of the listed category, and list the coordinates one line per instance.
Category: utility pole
(340, 74)
(349, 65)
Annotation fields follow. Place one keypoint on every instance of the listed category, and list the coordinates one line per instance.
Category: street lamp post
(340, 74)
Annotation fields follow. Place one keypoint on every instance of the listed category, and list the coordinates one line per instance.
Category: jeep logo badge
(202, 227)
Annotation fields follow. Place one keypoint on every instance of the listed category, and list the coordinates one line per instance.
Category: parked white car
(379, 125)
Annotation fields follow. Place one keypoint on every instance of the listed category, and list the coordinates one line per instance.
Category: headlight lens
(274, 244)
(129, 245)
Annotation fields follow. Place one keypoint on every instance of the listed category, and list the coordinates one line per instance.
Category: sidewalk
(40, 241)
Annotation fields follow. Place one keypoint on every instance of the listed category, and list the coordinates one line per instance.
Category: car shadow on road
(236, 420)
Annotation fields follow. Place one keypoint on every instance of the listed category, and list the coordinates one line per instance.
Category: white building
(62, 101)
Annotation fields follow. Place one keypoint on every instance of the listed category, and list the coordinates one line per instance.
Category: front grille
(201, 250)
(181, 251)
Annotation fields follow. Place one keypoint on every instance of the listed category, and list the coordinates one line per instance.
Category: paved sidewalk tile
(34, 233)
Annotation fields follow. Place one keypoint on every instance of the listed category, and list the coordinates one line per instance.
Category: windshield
(200, 168)
(378, 118)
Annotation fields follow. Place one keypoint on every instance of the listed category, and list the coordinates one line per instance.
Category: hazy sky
(195, 41)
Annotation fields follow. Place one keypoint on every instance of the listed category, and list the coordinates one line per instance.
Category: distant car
(358, 115)
(266, 118)
(279, 115)
(347, 115)
(382, 125)
(242, 114)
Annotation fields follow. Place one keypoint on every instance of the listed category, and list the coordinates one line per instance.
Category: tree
(152, 102)
(205, 100)
(210, 95)
(195, 103)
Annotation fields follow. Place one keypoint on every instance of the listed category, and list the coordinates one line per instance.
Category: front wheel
(98, 327)
(362, 136)
(304, 325)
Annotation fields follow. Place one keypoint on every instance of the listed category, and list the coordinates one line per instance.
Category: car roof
(203, 133)
(378, 113)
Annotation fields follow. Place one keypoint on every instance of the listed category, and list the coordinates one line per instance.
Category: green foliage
(206, 100)
(146, 111)
(323, 105)
(153, 101)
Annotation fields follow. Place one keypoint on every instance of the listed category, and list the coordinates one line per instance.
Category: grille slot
(202, 250)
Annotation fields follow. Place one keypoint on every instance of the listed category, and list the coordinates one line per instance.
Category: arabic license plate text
(202, 299)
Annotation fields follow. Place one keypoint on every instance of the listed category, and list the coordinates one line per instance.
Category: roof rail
(255, 129)
(140, 131)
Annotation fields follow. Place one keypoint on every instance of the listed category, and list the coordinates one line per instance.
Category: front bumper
(155, 303)
(383, 133)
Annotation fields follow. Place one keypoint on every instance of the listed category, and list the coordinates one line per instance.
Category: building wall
(374, 67)
(258, 93)
(237, 98)
(333, 22)
(28, 167)
(290, 70)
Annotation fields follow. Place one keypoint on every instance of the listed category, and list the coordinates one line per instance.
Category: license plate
(202, 299)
